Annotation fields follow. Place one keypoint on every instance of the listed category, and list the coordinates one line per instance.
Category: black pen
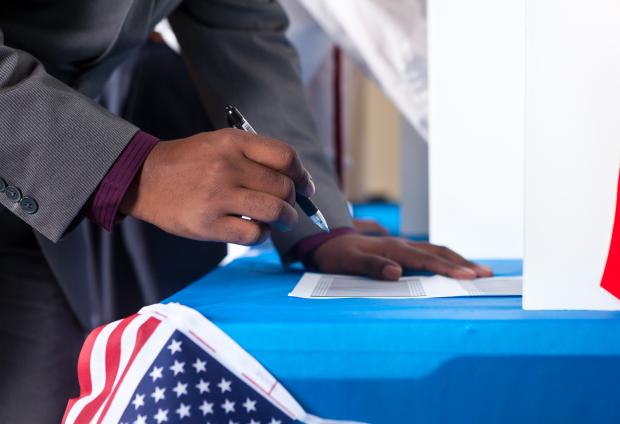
(236, 120)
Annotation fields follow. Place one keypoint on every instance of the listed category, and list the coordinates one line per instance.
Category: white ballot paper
(330, 286)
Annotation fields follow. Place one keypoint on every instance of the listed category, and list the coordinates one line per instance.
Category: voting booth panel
(572, 154)
(476, 130)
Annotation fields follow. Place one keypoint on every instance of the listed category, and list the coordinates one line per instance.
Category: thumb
(375, 266)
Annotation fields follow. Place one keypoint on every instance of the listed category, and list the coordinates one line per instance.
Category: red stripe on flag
(112, 358)
(83, 369)
(144, 333)
(611, 276)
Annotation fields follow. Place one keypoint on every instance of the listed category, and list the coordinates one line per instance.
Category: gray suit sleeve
(56, 145)
(238, 54)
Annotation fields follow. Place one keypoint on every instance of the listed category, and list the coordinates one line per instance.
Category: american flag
(169, 364)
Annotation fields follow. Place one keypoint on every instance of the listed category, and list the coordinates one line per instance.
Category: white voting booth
(524, 139)
(476, 113)
(572, 151)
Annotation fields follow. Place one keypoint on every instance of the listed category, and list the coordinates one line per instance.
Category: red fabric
(113, 346)
(102, 208)
(144, 333)
(112, 360)
(83, 369)
(611, 276)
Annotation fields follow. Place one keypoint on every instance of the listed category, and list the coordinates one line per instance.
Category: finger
(419, 259)
(262, 207)
(232, 229)
(452, 256)
(280, 157)
(370, 265)
(257, 177)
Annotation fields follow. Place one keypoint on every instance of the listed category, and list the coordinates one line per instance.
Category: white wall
(476, 124)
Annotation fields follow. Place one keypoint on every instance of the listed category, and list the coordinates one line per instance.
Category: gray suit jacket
(57, 143)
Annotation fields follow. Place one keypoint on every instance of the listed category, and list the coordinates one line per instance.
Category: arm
(56, 144)
(238, 54)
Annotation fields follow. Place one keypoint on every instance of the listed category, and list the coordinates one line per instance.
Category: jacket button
(13, 193)
(2, 185)
(29, 205)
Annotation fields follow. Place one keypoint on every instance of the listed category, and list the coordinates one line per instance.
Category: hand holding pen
(201, 186)
(236, 120)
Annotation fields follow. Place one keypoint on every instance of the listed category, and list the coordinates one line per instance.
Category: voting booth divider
(572, 159)
(524, 142)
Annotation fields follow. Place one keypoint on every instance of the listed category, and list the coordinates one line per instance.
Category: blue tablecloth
(465, 360)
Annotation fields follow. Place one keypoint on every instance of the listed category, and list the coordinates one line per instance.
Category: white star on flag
(254, 422)
(141, 419)
(203, 386)
(183, 411)
(156, 373)
(224, 385)
(206, 408)
(199, 365)
(180, 389)
(161, 416)
(138, 401)
(228, 406)
(177, 367)
(174, 346)
(274, 421)
(249, 405)
(158, 394)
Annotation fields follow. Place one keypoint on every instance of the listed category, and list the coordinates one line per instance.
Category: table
(465, 360)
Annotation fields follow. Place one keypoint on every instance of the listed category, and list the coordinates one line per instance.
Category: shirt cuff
(305, 248)
(102, 207)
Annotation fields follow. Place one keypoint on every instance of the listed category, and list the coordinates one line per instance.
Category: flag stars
(158, 394)
(203, 386)
(156, 373)
(161, 416)
(224, 385)
(180, 389)
(183, 411)
(140, 420)
(274, 421)
(177, 367)
(232, 422)
(138, 401)
(254, 422)
(206, 408)
(228, 406)
(249, 405)
(200, 365)
(174, 346)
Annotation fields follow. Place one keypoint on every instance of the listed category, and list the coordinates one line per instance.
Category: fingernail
(484, 270)
(391, 272)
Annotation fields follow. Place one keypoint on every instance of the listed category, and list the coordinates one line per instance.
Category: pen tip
(320, 221)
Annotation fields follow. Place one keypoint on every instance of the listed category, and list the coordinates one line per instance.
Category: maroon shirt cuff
(102, 208)
(305, 248)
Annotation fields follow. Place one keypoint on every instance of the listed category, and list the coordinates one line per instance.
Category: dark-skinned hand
(384, 258)
(200, 187)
